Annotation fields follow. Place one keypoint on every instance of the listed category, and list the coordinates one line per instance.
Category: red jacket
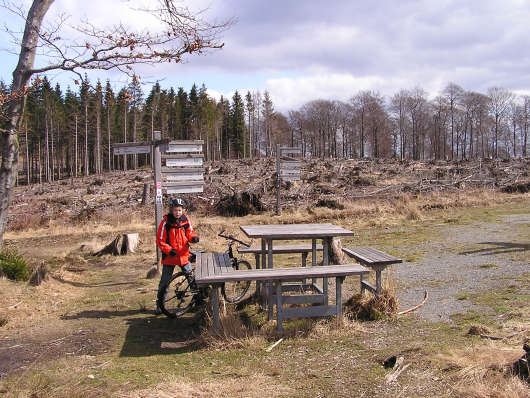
(175, 234)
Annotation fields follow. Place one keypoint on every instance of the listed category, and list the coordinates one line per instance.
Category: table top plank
(294, 231)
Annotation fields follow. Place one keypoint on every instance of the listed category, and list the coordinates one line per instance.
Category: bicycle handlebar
(230, 237)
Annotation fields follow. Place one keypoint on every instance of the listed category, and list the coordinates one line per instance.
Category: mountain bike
(181, 295)
(234, 292)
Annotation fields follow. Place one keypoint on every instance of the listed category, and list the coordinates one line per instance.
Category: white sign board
(184, 161)
(183, 171)
(132, 150)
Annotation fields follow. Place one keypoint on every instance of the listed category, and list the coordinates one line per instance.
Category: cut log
(121, 245)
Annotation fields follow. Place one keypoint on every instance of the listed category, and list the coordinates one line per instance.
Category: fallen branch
(271, 347)
(417, 306)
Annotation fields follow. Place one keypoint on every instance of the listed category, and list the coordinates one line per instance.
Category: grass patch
(488, 265)
(461, 296)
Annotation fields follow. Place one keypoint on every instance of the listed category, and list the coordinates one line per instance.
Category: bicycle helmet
(174, 202)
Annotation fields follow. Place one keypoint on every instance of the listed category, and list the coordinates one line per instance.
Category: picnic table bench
(303, 249)
(214, 269)
(374, 259)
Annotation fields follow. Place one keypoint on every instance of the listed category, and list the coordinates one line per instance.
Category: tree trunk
(98, 140)
(87, 172)
(125, 136)
(108, 135)
(21, 76)
(76, 158)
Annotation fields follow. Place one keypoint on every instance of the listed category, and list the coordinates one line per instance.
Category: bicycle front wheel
(235, 291)
(176, 298)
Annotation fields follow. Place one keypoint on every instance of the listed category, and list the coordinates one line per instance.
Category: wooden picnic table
(270, 233)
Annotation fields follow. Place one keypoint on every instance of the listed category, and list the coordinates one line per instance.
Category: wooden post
(325, 261)
(257, 257)
(215, 307)
(269, 284)
(338, 296)
(278, 180)
(157, 165)
(264, 265)
(279, 320)
(378, 283)
(314, 256)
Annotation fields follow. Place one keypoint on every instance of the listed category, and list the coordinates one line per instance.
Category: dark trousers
(167, 273)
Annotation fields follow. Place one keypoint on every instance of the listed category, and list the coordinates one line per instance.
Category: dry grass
(482, 372)
(369, 307)
(233, 386)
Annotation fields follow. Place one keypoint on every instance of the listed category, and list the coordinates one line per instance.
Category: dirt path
(463, 259)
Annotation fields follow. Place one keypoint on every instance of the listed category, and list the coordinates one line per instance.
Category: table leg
(338, 296)
(362, 284)
(325, 261)
(215, 307)
(257, 258)
(304, 264)
(378, 283)
(279, 325)
(313, 256)
(264, 265)
(269, 284)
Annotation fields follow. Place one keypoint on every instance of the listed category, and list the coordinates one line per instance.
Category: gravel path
(463, 259)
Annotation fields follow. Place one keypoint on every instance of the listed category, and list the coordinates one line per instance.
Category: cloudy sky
(301, 50)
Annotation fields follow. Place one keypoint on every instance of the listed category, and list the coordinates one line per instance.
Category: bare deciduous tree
(179, 32)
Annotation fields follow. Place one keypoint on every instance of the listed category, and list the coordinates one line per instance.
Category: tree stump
(336, 255)
(145, 194)
(40, 275)
(121, 245)
(130, 243)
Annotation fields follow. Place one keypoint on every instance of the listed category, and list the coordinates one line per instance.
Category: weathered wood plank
(371, 256)
(294, 231)
(174, 147)
(369, 286)
(198, 266)
(309, 312)
(293, 273)
(304, 299)
(280, 249)
(290, 165)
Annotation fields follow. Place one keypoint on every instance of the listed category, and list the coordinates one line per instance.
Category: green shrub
(13, 265)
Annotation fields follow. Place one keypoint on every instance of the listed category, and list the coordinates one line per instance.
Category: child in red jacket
(173, 237)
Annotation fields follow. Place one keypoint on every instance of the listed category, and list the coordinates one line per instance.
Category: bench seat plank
(279, 249)
(278, 274)
(371, 256)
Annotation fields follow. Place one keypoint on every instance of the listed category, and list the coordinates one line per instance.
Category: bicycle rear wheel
(177, 297)
(235, 291)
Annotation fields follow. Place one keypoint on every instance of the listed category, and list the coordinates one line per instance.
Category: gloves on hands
(173, 252)
(195, 239)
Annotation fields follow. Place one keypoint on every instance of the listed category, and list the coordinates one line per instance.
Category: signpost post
(287, 169)
(183, 171)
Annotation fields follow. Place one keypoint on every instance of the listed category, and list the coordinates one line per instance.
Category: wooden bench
(214, 269)
(304, 249)
(374, 259)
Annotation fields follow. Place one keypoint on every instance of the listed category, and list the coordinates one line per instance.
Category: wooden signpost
(183, 170)
(287, 169)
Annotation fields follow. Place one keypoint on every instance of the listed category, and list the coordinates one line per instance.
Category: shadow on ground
(499, 248)
(101, 284)
(152, 335)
